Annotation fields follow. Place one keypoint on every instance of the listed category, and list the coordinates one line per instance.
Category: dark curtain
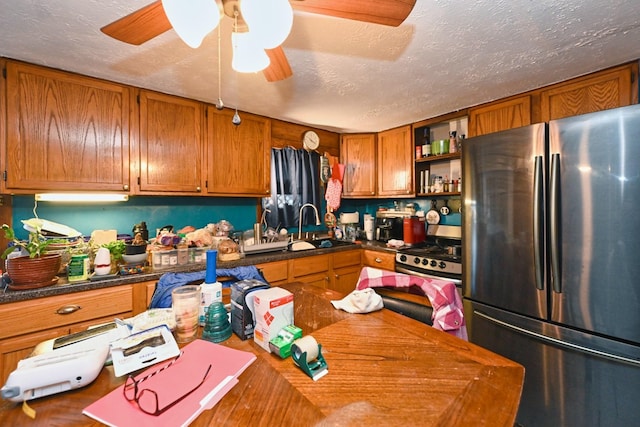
(295, 180)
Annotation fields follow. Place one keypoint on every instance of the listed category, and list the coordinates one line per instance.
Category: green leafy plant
(116, 248)
(35, 245)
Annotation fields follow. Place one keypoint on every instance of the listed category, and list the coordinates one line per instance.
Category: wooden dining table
(384, 369)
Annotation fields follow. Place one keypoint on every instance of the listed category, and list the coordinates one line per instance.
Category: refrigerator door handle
(538, 229)
(557, 342)
(554, 222)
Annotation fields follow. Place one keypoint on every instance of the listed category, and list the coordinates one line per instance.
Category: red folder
(170, 384)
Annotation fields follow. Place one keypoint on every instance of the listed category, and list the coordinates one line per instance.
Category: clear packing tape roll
(307, 345)
(307, 354)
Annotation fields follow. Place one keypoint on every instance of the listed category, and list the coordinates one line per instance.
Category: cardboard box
(273, 308)
(242, 321)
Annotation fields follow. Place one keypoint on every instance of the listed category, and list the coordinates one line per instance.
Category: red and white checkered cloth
(448, 314)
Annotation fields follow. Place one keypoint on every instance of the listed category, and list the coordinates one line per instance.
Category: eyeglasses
(147, 399)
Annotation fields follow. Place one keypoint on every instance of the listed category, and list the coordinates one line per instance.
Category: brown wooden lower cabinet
(275, 272)
(337, 271)
(28, 323)
(346, 270)
(382, 260)
(313, 270)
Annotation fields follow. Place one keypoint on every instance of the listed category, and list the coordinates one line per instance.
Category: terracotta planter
(26, 272)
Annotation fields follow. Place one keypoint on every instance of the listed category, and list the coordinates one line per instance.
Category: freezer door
(503, 219)
(594, 222)
(571, 378)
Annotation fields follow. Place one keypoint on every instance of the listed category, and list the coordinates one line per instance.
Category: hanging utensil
(445, 209)
(433, 217)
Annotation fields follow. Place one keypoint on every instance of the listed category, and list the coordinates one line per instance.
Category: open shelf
(448, 193)
(441, 157)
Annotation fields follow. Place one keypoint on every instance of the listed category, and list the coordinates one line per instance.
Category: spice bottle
(452, 142)
(183, 251)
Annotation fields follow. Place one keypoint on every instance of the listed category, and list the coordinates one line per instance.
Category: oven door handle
(457, 282)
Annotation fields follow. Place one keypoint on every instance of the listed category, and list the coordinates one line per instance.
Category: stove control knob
(403, 258)
(442, 264)
(416, 260)
(433, 263)
(425, 261)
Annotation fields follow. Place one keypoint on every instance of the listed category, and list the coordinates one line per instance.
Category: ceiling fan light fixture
(192, 20)
(248, 55)
(269, 20)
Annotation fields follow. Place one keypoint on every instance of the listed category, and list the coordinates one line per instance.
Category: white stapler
(62, 364)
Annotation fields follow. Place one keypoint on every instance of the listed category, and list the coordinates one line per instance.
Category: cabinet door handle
(378, 260)
(68, 309)
(198, 189)
(125, 187)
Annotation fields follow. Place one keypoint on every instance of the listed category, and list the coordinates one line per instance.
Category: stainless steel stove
(440, 257)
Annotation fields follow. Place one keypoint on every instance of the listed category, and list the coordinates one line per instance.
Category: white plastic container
(210, 293)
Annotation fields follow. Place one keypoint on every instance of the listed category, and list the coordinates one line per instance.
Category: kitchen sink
(304, 245)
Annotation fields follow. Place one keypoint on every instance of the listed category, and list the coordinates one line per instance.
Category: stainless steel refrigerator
(551, 275)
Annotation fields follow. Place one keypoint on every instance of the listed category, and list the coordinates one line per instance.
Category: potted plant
(116, 249)
(36, 269)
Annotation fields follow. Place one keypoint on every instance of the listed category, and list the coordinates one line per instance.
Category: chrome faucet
(300, 218)
(264, 214)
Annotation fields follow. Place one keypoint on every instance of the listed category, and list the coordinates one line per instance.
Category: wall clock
(310, 140)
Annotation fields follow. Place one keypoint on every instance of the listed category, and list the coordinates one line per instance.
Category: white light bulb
(192, 20)
(270, 21)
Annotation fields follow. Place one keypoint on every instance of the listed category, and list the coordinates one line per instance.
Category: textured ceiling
(348, 76)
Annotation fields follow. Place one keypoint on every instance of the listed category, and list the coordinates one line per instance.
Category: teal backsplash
(370, 206)
(180, 211)
(156, 211)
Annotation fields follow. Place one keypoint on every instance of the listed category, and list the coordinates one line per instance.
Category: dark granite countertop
(65, 287)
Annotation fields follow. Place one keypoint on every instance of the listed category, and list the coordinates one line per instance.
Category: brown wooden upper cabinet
(358, 155)
(378, 165)
(612, 88)
(170, 145)
(395, 162)
(501, 115)
(65, 132)
(238, 156)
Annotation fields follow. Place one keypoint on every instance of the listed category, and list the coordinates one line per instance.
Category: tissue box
(273, 308)
(242, 322)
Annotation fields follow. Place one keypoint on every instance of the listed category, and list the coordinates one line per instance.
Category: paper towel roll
(306, 344)
(349, 218)
(369, 226)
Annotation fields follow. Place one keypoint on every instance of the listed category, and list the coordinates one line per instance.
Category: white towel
(360, 301)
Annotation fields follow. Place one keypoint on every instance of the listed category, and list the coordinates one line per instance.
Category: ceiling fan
(150, 21)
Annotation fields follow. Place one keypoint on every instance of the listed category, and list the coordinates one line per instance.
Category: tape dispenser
(307, 355)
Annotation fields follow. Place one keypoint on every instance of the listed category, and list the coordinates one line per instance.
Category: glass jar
(440, 147)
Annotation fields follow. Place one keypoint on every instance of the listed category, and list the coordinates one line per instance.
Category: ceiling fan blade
(385, 12)
(139, 26)
(279, 68)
